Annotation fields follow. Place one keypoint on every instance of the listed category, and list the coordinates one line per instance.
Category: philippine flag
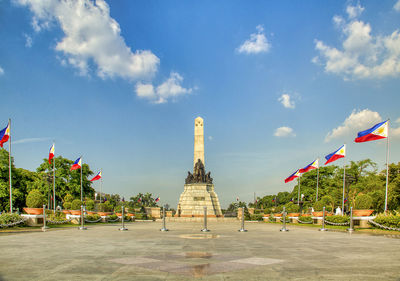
(96, 177)
(51, 153)
(4, 135)
(77, 164)
(157, 199)
(340, 153)
(379, 131)
(293, 176)
(311, 166)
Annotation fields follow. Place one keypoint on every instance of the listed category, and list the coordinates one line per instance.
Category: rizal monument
(199, 188)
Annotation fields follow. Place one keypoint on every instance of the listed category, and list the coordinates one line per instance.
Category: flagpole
(54, 180)
(101, 183)
(298, 195)
(387, 167)
(9, 162)
(81, 180)
(344, 184)
(317, 182)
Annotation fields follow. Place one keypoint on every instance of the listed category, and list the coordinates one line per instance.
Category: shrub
(267, 211)
(76, 204)
(140, 216)
(35, 199)
(107, 206)
(278, 209)
(337, 219)
(318, 206)
(94, 217)
(58, 216)
(90, 205)
(112, 217)
(256, 217)
(305, 219)
(363, 201)
(68, 198)
(388, 220)
(328, 202)
(292, 208)
(6, 218)
(67, 205)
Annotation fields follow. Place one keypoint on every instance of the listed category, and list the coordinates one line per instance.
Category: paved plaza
(184, 253)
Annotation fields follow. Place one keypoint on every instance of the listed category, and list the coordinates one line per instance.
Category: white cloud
(210, 138)
(396, 6)
(286, 101)
(354, 11)
(257, 43)
(1, 71)
(169, 89)
(284, 132)
(362, 55)
(357, 121)
(30, 140)
(92, 36)
(28, 40)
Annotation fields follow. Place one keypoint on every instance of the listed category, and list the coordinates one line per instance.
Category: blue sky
(278, 83)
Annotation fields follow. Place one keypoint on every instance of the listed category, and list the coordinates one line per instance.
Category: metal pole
(242, 228)
(44, 219)
(284, 229)
(81, 181)
(387, 169)
(205, 220)
(123, 228)
(54, 183)
(351, 229)
(164, 228)
(323, 221)
(9, 163)
(317, 184)
(82, 227)
(298, 194)
(344, 185)
(101, 183)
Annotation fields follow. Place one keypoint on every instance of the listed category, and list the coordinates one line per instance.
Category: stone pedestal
(33, 220)
(154, 212)
(195, 197)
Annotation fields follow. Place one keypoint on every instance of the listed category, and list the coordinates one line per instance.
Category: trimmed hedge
(93, 217)
(363, 201)
(305, 219)
(337, 219)
(76, 204)
(388, 220)
(256, 217)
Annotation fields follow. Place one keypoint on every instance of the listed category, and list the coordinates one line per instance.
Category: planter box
(67, 212)
(362, 213)
(34, 211)
(104, 214)
(75, 212)
(154, 212)
(319, 214)
(278, 215)
(293, 214)
(168, 213)
(91, 212)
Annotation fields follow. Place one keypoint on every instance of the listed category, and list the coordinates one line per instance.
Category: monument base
(195, 197)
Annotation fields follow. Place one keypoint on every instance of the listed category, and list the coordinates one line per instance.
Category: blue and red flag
(157, 199)
(139, 200)
(340, 153)
(77, 164)
(4, 135)
(96, 177)
(311, 166)
(273, 199)
(51, 153)
(293, 176)
(345, 200)
(379, 131)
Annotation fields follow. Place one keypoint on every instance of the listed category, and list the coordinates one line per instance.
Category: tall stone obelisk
(198, 141)
(199, 188)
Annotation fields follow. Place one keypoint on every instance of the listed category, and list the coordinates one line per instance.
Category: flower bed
(338, 219)
(9, 220)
